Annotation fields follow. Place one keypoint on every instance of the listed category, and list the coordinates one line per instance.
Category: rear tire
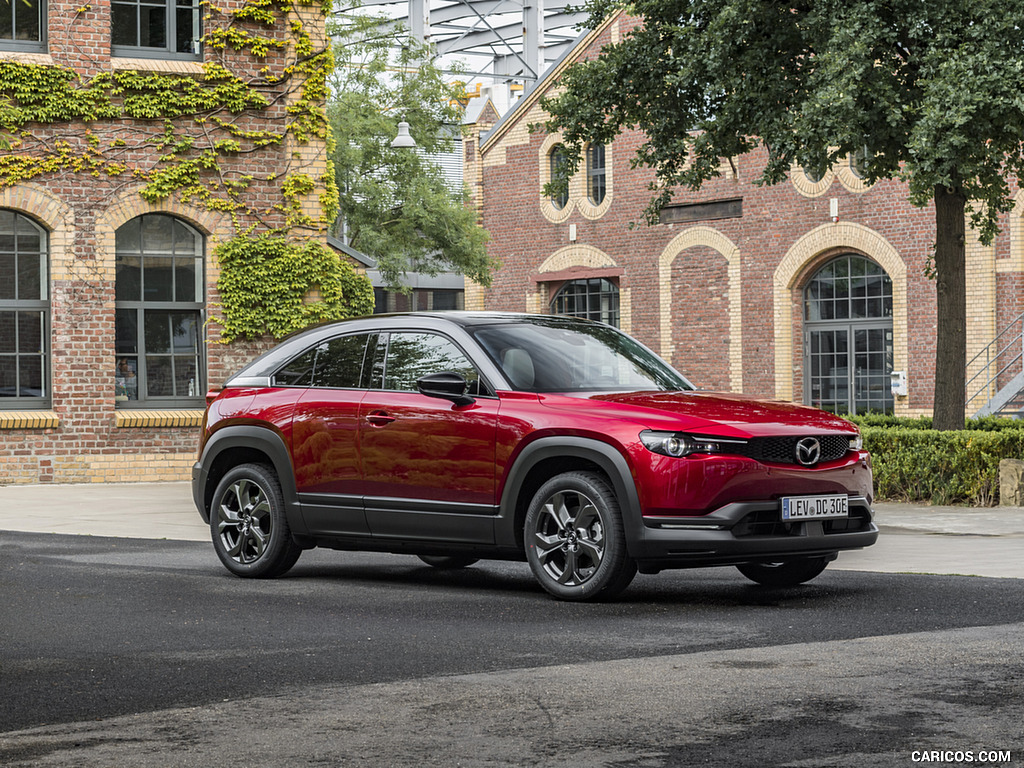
(574, 538)
(789, 573)
(248, 524)
(447, 562)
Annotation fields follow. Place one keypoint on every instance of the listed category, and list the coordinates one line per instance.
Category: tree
(396, 204)
(931, 93)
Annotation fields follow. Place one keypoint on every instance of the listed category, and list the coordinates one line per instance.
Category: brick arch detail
(709, 238)
(53, 213)
(794, 270)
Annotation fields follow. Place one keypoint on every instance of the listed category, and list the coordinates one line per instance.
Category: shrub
(913, 462)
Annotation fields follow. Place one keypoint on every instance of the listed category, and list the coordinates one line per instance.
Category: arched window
(596, 174)
(594, 299)
(557, 170)
(159, 305)
(848, 337)
(24, 312)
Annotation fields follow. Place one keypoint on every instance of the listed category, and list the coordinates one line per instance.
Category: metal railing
(1001, 356)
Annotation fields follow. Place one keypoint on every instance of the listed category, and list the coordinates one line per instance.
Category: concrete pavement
(916, 538)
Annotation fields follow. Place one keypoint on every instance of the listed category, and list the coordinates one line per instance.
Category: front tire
(248, 524)
(785, 574)
(574, 538)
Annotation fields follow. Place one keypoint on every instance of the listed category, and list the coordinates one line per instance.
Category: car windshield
(565, 355)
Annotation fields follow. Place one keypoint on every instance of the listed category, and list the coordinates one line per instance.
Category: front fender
(508, 527)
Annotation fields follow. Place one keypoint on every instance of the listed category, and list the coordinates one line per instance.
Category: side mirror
(447, 386)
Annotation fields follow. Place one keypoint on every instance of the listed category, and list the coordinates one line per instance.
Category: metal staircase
(1000, 369)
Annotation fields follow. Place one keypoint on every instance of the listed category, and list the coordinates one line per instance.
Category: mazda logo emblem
(808, 451)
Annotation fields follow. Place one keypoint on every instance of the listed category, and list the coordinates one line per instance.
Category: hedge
(913, 462)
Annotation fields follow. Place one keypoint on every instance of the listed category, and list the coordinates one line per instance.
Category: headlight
(677, 444)
(856, 443)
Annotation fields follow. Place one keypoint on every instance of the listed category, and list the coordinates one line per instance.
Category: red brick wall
(82, 210)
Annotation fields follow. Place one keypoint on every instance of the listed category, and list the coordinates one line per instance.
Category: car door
(325, 435)
(428, 464)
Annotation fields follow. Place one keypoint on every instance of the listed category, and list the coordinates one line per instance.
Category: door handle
(379, 418)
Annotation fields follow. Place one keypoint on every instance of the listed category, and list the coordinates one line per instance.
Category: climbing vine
(270, 285)
(203, 137)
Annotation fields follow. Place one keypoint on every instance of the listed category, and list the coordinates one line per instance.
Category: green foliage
(913, 462)
(272, 286)
(396, 204)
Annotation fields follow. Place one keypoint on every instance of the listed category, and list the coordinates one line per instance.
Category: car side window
(297, 372)
(411, 355)
(339, 362)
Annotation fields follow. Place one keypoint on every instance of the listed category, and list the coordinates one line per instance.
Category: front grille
(782, 450)
(767, 522)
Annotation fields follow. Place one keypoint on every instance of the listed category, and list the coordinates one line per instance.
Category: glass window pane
(127, 237)
(127, 331)
(413, 355)
(159, 377)
(8, 279)
(340, 362)
(158, 336)
(158, 280)
(124, 23)
(30, 332)
(185, 20)
(185, 381)
(154, 27)
(6, 21)
(185, 332)
(126, 379)
(185, 241)
(298, 372)
(26, 22)
(8, 376)
(157, 234)
(31, 281)
(8, 331)
(30, 375)
(186, 279)
(128, 277)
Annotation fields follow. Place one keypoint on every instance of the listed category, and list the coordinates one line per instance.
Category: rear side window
(298, 372)
(334, 364)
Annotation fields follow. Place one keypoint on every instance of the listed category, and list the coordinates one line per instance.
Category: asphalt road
(117, 652)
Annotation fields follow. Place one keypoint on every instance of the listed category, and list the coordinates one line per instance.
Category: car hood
(719, 413)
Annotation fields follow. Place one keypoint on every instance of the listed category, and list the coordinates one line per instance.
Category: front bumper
(748, 532)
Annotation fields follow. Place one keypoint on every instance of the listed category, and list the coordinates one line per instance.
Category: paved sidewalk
(916, 538)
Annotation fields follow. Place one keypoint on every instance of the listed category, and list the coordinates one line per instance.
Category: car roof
(269, 362)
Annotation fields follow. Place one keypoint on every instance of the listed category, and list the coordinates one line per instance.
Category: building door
(848, 337)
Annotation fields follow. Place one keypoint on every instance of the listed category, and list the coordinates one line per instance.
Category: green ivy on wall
(271, 285)
(170, 133)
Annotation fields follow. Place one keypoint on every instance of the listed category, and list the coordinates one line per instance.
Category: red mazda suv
(458, 436)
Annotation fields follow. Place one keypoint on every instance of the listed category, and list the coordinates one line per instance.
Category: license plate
(815, 507)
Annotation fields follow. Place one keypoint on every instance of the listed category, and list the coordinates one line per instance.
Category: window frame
(597, 175)
(611, 316)
(41, 306)
(557, 159)
(141, 306)
(27, 46)
(169, 49)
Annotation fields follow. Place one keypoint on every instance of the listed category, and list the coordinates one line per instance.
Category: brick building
(139, 135)
(813, 291)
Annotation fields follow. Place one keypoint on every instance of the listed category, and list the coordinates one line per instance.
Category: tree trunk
(951, 290)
